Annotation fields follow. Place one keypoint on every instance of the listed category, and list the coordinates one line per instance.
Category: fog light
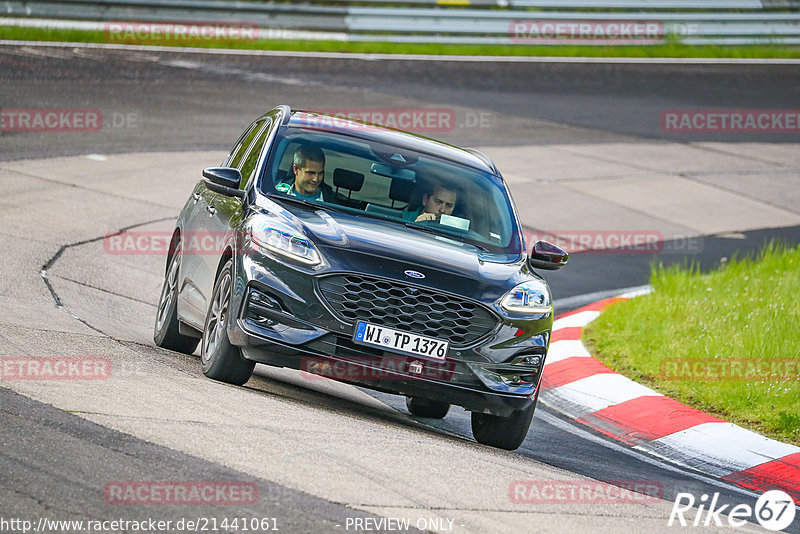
(534, 360)
(506, 377)
(260, 308)
(522, 369)
(257, 299)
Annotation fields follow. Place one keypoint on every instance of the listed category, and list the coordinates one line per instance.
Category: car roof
(332, 123)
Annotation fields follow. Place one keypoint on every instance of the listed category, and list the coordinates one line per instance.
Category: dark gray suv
(366, 255)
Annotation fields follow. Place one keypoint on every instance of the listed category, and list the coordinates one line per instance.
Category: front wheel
(502, 432)
(219, 358)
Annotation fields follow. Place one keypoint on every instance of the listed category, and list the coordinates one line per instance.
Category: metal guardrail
(481, 21)
(642, 5)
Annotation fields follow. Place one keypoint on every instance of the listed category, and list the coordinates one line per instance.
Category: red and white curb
(582, 388)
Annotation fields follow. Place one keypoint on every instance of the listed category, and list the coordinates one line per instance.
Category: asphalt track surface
(150, 102)
(177, 102)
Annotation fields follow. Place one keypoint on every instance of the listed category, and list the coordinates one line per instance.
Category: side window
(250, 161)
(236, 155)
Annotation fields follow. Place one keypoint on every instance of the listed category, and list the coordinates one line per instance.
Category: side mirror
(224, 180)
(547, 256)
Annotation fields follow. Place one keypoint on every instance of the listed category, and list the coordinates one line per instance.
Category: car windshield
(373, 179)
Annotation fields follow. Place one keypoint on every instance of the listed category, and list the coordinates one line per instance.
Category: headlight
(528, 297)
(282, 239)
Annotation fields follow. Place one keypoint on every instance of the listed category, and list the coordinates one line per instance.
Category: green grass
(670, 49)
(746, 310)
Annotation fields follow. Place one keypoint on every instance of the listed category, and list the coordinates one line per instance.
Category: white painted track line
(414, 57)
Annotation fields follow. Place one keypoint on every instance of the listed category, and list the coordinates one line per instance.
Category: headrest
(348, 179)
(401, 190)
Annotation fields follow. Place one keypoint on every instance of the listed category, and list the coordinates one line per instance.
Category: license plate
(405, 342)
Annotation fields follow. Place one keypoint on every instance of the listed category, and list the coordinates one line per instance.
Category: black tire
(165, 331)
(502, 432)
(427, 408)
(221, 360)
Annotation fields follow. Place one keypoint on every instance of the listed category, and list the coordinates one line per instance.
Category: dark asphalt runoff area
(165, 101)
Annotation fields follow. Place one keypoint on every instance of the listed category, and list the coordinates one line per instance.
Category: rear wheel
(221, 360)
(427, 408)
(165, 332)
(502, 432)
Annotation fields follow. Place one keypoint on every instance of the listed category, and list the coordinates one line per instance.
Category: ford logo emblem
(414, 274)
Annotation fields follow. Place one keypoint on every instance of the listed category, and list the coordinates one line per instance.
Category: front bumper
(282, 320)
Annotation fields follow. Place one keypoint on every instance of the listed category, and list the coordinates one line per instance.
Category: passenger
(440, 199)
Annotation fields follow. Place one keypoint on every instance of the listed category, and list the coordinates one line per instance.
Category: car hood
(364, 244)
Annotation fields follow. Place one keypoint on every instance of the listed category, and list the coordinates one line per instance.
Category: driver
(308, 166)
(440, 199)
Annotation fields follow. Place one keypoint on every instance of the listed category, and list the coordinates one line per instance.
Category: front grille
(404, 307)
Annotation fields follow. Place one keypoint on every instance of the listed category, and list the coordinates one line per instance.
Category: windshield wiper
(432, 230)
